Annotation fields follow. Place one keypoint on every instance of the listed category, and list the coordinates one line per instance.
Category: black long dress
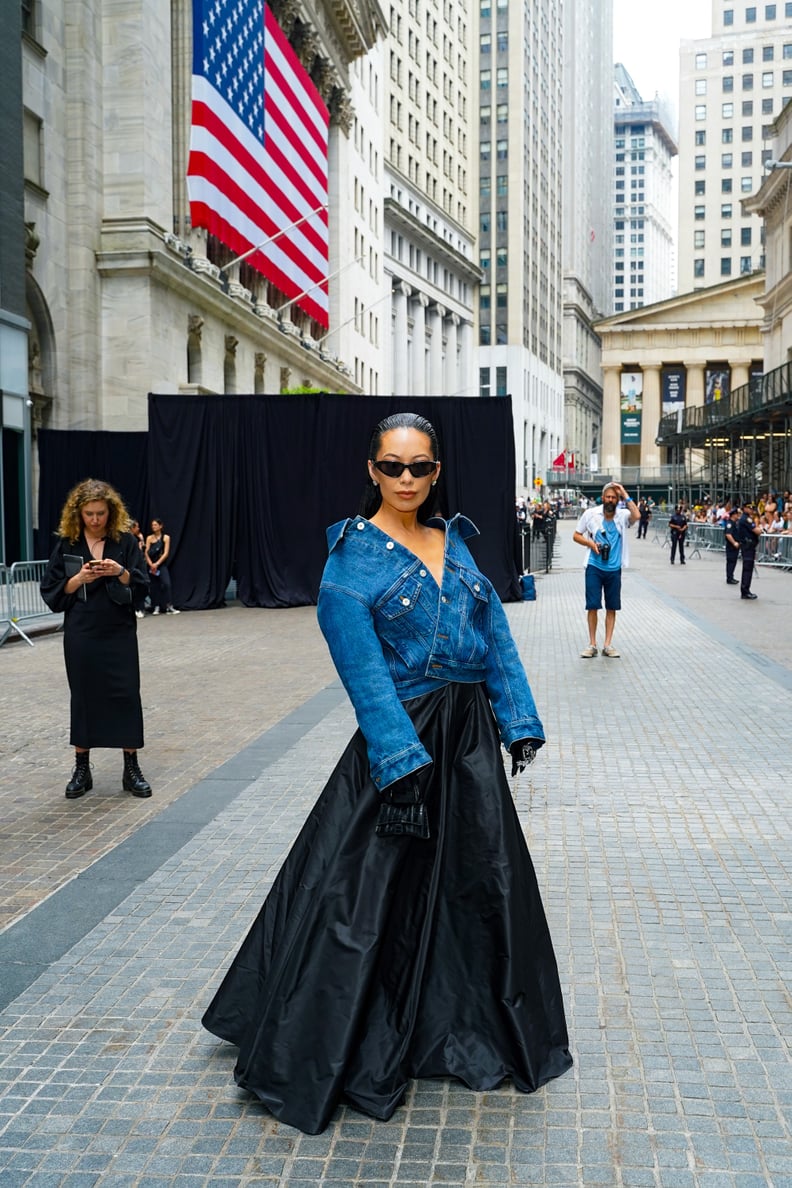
(374, 960)
(100, 647)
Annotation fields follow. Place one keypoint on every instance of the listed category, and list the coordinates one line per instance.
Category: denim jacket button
(360, 527)
(422, 572)
(389, 545)
(443, 598)
(405, 602)
(477, 587)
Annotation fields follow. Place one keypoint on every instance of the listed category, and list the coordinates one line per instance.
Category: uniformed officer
(748, 529)
(732, 545)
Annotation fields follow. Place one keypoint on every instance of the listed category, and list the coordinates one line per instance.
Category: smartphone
(93, 564)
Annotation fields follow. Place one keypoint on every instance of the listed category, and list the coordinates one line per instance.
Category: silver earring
(434, 482)
(376, 484)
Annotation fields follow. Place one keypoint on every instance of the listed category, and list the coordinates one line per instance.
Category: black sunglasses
(397, 469)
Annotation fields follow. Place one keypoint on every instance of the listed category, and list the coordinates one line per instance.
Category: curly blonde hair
(87, 491)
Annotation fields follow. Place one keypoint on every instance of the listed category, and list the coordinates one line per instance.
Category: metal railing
(772, 549)
(20, 599)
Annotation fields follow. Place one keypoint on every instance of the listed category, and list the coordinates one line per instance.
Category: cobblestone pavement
(658, 816)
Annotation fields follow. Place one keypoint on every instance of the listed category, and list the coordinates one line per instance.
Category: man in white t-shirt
(603, 531)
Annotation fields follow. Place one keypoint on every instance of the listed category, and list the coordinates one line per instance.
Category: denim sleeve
(394, 748)
(507, 685)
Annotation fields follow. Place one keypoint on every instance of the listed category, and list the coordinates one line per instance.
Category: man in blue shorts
(603, 531)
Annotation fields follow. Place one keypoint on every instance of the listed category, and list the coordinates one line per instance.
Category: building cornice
(418, 233)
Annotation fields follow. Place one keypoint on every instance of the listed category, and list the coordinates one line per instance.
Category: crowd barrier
(21, 604)
(771, 548)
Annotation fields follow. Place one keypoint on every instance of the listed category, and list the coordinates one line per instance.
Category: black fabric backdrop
(247, 485)
(66, 457)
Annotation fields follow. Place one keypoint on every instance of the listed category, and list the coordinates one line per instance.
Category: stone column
(650, 416)
(610, 448)
(418, 369)
(399, 344)
(451, 376)
(694, 386)
(740, 373)
(468, 381)
(437, 314)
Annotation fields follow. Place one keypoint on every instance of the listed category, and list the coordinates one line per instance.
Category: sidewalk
(658, 818)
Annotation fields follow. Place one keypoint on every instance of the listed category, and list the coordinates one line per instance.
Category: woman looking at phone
(92, 573)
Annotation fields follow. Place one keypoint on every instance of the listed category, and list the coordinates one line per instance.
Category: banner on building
(674, 381)
(257, 172)
(717, 383)
(631, 405)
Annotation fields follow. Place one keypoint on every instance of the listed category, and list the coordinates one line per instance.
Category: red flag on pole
(560, 461)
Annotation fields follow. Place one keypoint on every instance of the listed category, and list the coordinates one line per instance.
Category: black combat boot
(134, 780)
(81, 781)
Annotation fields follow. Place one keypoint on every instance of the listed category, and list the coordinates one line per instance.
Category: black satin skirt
(375, 960)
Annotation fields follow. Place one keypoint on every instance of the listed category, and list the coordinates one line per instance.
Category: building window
(485, 186)
(484, 340)
(768, 53)
(485, 8)
(727, 111)
(485, 80)
(502, 257)
(618, 292)
(700, 187)
(485, 150)
(728, 19)
(698, 212)
(501, 388)
(786, 78)
(746, 184)
(745, 236)
(728, 82)
(750, 16)
(700, 162)
(484, 379)
(747, 133)
(503, 150)
(501, 296)
(747, 107)
(726, 210)
(700, 136)
(726, 160)
(726, 185)
(747, 57)
(728, 57)
(745, 264)
(725, 266)
(503, 76)
(485, 114)
(698, 240)
(726, 135)
(503, 42)
(746, 160)
(485, 43)
(502, 186)
(701, 111)
(501, 334)
(767, 105)
(770, 12)
(31, 148)
(503, 113)
(767, 79)
(701, 86)
(484, 261)
(726, 237)
(747, 82)
(787, 52)
(701, 61)
(698, 267)
(485, 299)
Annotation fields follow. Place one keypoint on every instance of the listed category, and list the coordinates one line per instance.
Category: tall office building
(429, 199)
(732, 85)
(643, 240)
(588, 216)
(520, 222)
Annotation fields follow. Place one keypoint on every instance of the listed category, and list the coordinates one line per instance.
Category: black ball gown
(375, 960)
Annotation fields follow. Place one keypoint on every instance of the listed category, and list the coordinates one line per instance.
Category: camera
(604, 550)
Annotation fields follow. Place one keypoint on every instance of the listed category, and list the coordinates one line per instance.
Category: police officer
(732, 545)
(678, 528)
(748, 528)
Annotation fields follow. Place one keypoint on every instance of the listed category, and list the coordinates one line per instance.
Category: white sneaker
(156, 611)
(138, 614)
(172, 611)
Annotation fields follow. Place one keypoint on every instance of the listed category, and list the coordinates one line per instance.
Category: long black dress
(100, 647)
(375, 960)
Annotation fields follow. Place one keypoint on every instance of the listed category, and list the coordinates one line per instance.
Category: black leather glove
(523, 753)
(403, 811)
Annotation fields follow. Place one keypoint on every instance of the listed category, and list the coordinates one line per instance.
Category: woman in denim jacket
(405, 935)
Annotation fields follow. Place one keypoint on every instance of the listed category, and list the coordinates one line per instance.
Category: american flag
(258, 148)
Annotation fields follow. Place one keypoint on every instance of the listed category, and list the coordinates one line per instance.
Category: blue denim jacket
(393, 636)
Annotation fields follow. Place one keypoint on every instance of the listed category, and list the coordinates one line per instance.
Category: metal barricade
(6, 622)
(705, 536)
(774, 550)
(22, 600)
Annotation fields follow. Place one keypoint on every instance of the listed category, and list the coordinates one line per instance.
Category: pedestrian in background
(603, 531)
(678, 526)
(158, 545)
(644, 516)
(732, 544)
(749, 528)
(405, 934)
(94, 569)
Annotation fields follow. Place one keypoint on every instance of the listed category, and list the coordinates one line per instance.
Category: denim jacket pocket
(401, 601)
(474, 616)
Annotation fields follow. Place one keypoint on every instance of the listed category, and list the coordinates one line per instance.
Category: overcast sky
(646, 37)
